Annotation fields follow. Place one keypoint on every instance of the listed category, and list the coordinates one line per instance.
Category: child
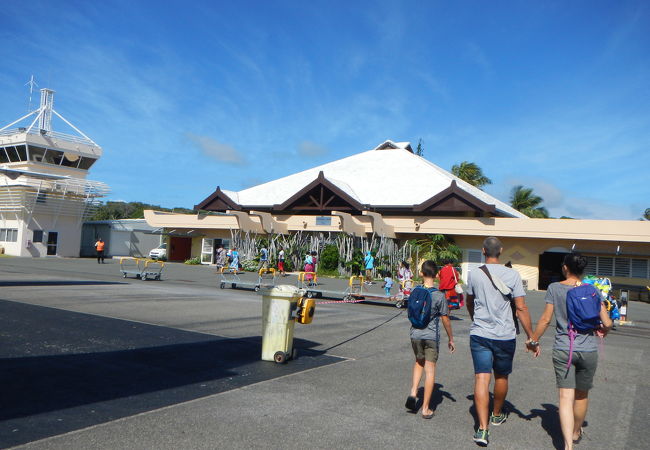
(388, 283)
(425, 343)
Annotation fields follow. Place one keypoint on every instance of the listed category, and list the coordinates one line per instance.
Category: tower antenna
(31, 83)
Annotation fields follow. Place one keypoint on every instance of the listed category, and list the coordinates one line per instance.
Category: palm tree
(438, 248)
(523, 200)
(470, 172)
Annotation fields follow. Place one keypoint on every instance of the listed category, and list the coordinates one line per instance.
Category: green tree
(438, 248)
(419, 150)
(472, 173)
(329, 258)
(129, 210)
(646, 214)
(524, 200)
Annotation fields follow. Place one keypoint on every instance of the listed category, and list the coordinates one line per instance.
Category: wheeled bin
(282, 306)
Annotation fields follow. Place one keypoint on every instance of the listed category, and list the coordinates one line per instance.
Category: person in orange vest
(99, 246)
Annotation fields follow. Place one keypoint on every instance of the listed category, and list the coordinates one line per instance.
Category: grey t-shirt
(492, 310)
(556, 295)
(439, 307)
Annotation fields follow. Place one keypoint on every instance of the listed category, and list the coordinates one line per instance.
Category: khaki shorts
(426, 349)
(581, 373)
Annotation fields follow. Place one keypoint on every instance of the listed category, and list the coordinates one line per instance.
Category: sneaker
(498, 420)
(481, 437)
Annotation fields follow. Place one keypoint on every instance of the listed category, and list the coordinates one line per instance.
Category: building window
(38, 236)
(592, 265)
(8, 235)
(640, 268)
(605, 266)
(41, 197)
(622, 267)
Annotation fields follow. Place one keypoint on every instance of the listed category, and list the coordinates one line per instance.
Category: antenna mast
(31, 83)
(47, 103)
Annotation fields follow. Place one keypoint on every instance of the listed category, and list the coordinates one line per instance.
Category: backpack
(583, 312)
(419, 306)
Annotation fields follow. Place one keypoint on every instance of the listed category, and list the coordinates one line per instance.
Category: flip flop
(577, 441)
(411, 403)
(428, 416)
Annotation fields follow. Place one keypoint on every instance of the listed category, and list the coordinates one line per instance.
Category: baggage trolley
(354, 290)
(131, 266)
(153, 269)
(229, 275)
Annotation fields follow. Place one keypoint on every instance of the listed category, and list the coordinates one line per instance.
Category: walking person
(99, 247)
(220, 258)
(426, 341)
(309, 269)
(264, 259)
(388, 283)
(369, 262)
(281, 262)
(234, 260)
(574, 367)
(495, 295)
(449, 277)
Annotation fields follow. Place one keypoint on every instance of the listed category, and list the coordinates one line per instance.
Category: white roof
(378, 177)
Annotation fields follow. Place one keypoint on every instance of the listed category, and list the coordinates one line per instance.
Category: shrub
(193, 261)
(329, 258)
(250, 265)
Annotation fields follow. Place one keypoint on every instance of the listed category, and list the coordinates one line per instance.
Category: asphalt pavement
(93, 360)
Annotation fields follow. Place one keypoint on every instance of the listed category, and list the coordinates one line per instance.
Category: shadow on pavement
(61, 371)
(436, 397)
(507, 406)
(8, 283)
(550, 422)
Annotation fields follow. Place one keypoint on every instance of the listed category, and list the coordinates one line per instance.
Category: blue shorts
(492, 354)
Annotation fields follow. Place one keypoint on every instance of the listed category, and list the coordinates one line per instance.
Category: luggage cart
(131, 266)
(153, 268)
(229, 275)
(141, 268)
(354, 290)
(265, 278)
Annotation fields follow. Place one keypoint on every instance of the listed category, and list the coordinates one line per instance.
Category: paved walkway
(92, 360)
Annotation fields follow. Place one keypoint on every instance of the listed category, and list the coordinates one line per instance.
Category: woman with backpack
(575, 352)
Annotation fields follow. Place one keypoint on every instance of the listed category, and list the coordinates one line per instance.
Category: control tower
(44, 193)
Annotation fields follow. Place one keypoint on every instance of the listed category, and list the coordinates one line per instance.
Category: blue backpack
(583, 308)
(419, 306)
(583, 312)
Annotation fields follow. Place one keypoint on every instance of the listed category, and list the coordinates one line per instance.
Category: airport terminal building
(363, 196)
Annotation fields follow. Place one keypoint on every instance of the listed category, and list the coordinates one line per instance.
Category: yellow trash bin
(278, 306)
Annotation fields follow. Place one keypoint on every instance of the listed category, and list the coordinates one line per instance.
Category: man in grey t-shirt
(493, 332)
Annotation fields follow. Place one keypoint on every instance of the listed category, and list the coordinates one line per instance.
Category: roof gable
(320, 195)
(218, 201)
(454, 199)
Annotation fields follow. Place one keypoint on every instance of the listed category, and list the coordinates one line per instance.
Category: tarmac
(89, 359)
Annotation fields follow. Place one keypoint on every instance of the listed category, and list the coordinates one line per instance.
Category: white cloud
(221, 152)
(308, 148)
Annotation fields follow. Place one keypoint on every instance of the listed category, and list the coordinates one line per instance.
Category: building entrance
(550, 268)
(180, 248)
(52, 241)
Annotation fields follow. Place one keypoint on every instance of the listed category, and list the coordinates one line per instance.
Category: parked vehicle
(159, 252)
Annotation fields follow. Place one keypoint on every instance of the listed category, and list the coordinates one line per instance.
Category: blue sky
(185, 96)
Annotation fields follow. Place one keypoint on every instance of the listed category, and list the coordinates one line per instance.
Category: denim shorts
(492, 354)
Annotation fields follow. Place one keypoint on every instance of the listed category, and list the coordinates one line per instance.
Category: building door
(550, 268)
(207, 251)
(180, 248)
(52, 240)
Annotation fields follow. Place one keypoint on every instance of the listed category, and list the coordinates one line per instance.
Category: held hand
(535, 349)
(601, 332)
(451, 346)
